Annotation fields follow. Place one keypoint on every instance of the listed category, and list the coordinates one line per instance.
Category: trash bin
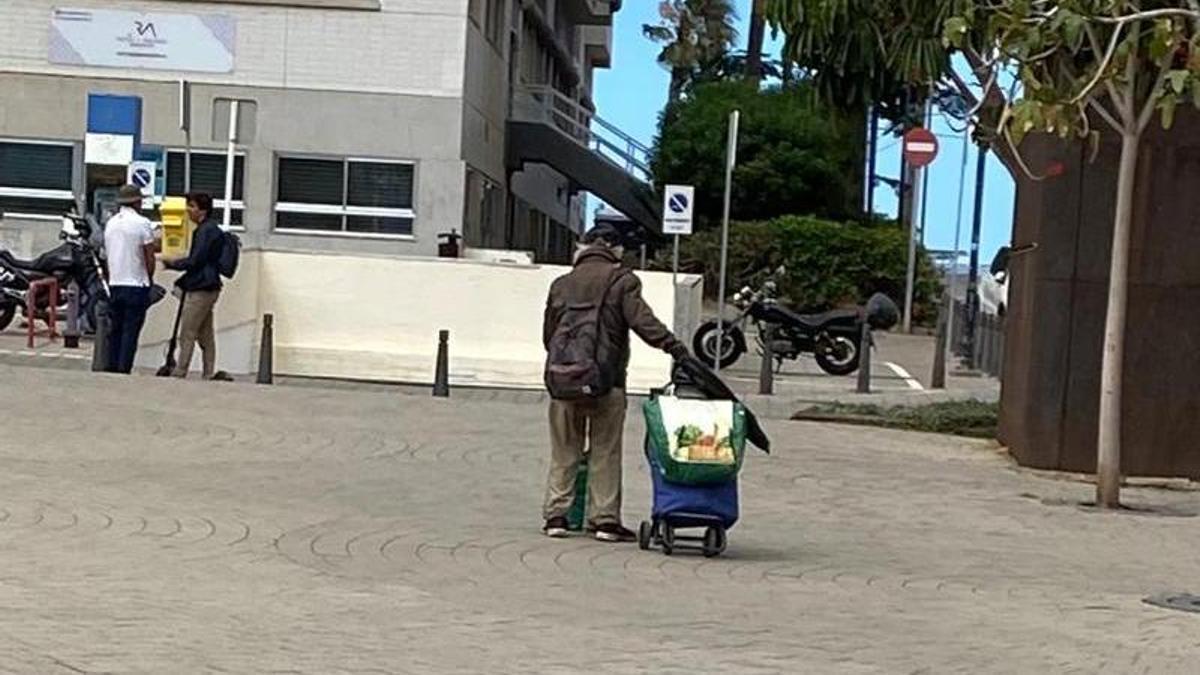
(449, 247)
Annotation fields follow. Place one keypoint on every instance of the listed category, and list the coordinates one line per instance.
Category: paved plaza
(151, 526)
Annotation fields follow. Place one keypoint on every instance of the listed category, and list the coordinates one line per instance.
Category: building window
(354, 196)
(36, 178)
(208, 175)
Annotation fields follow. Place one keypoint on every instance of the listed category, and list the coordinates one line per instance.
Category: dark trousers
(127, 314)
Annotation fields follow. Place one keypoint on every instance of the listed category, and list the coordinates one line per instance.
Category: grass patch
(974, 419)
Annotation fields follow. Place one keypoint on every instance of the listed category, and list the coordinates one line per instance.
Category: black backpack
(231, 251)
(572, 370)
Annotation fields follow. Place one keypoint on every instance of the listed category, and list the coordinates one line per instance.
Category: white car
(993, 284)
(993, 293)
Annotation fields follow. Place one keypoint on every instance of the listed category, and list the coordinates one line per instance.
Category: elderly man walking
(589, 315)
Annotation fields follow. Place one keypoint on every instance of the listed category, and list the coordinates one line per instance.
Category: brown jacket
(624, 310)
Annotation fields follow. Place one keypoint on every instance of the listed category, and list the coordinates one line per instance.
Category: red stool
(51, 286)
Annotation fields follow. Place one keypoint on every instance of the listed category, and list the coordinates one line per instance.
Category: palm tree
(693, 33)
(867, 52)
(758, 32)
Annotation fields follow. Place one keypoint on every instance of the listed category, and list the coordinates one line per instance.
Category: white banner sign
(110, 149)
(121, 39)
(678, 209)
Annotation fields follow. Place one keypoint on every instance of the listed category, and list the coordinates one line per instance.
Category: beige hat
(129, 195)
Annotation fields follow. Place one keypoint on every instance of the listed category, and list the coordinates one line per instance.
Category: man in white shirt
(129, 247)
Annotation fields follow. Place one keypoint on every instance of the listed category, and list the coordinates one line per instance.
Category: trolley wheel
(713, 542)
(645, 534)
(668, 539)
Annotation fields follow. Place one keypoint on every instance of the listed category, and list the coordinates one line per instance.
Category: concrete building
(365, 126)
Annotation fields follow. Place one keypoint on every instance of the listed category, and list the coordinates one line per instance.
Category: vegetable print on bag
(696, 442)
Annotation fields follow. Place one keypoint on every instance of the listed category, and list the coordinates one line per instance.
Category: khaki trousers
(196, 325)
(599, 426)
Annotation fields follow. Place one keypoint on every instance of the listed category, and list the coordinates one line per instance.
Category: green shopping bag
(695, 442)
(579, 506)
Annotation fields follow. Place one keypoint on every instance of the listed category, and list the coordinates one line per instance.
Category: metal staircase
(550, 128)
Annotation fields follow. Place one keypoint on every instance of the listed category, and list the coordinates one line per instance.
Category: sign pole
(675, 265)
(910, 277)
(185, 124)
(227, 218)
(730, 162)
(962, 188)
(920, 149)
(679, 210)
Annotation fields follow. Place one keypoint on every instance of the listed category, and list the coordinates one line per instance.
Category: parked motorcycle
(834, 338)
(76, 259)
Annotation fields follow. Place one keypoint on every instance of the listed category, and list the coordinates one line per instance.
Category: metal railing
(549, 106)
(987, 352)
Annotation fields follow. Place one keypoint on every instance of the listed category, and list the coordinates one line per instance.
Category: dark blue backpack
(231, 251)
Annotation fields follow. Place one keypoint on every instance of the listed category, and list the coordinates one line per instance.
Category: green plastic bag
(579, 506)
(696, 442)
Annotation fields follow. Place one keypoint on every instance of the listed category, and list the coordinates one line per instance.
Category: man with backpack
(200, 285)
(589, 315)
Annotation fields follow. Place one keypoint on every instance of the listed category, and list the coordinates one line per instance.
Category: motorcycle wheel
(7, 312)
(838, 354)
(733, 346)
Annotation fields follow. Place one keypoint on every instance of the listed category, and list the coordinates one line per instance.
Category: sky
(632, 93)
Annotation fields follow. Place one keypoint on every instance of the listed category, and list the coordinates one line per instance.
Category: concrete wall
(485, 98)
(423, 129)
(411, 46)
(377, 318)
(494, 314)
(237, 321)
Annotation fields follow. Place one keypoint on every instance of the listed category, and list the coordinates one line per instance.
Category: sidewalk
(169, 526)
(900, 375)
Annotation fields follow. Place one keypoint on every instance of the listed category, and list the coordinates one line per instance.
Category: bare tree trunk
(1108, 459)
(754, 49)
(679, 78)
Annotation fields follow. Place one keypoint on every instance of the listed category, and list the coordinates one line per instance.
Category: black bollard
(71, 335)
(766, 374)
(864, 359)
(441, 377)
(938, 378)
(266, 352)
(100, 343)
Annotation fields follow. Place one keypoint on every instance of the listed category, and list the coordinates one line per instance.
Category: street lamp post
(972, 304)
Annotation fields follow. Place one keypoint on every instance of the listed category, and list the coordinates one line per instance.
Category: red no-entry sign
(920, 147)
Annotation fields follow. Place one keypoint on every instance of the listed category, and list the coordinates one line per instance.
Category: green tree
(693, 33)
(829, 264)
(795, 156)
(1124, 62)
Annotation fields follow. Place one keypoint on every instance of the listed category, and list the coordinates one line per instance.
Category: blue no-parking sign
(679, 206)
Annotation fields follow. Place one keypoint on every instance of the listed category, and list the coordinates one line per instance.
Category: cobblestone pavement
(151, 526)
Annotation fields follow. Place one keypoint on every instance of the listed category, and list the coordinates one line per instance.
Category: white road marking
(903, 374)
(55, 355)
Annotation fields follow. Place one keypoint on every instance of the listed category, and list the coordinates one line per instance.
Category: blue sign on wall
(117, 115)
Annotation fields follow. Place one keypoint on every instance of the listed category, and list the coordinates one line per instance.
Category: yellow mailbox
(176, 228)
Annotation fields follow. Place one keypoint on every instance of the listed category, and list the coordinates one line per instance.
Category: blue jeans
(127, 314)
